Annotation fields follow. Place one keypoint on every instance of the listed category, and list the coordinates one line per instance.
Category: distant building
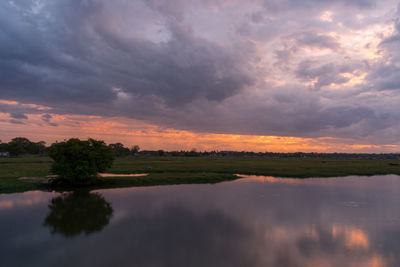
(4, 154)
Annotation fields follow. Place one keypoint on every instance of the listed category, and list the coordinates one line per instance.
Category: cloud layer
(289, 68)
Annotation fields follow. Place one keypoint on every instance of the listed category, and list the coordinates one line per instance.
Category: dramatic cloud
(18, 116)
(287, 68)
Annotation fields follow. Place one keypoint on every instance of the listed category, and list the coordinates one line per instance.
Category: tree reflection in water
(78, 212)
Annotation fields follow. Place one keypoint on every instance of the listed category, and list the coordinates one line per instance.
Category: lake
(255, 221)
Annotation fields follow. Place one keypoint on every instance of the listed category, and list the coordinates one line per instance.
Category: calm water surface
(257, 221)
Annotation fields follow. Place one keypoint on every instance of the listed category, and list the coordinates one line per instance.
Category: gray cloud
(387, 76)
(17, 115)
(312, 39)
(46, 116)
(19, 111)
(16, 122)
(285, 5)
(326, 74)
(90, 59)
(198, 65)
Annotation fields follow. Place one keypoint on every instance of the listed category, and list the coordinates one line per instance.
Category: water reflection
(348, 222)
(78, 212)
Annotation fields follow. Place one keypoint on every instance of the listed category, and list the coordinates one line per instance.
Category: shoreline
(190, 170)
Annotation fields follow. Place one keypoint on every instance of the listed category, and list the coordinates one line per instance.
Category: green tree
(21, 145)
(3, 147)
(119, 150)
(135, 149)
(40, 147)
(79, 161)
(18, 146)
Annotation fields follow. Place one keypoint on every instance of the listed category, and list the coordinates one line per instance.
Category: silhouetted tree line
(22, 146)
(120, 151)
(248, 154)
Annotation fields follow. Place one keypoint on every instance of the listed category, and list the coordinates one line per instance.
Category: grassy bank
(184, 170)
(283, 167)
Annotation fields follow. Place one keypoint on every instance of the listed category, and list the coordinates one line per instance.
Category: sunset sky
(256, 75)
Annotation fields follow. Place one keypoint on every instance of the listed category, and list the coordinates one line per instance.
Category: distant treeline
(270, 154)
(23, 146)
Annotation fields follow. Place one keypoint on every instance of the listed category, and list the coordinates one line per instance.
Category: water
(257, 221)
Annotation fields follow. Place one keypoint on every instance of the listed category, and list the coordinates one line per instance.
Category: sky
(256, 75)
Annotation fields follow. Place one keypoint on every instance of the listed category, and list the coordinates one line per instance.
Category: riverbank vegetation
(185, 170)
(78, 162)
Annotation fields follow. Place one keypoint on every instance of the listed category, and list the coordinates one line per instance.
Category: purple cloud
(251, 67)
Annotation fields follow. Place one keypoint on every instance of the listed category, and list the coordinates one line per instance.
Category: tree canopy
(119, 150)
(78, 161)
(21, 145)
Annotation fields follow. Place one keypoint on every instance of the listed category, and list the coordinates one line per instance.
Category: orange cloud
(150, 136)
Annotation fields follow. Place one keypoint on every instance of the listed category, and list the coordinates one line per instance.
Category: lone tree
(79, 161)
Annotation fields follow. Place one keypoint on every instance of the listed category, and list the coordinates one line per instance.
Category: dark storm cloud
(16, 115)
(209, 66)
(16, 122)
(46, 116)
(313, 39)
(285, 5)
(73, 55)
(387, 76)
(18, 111)
(286, 111)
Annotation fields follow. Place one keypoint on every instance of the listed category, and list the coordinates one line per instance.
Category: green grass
(288, 167)
(186, 170)
(13, 168)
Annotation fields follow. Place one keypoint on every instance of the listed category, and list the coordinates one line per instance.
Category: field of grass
(184, 170)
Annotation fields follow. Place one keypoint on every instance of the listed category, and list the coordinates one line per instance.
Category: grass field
(184, 170)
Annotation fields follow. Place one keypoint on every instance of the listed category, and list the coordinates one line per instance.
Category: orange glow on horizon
(152, 137)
